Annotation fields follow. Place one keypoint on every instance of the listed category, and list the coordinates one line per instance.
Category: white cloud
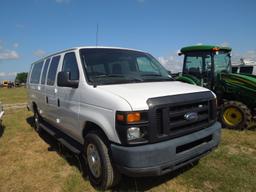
(7, 76)
(173, 62)
(8, 54)
(15, 45)
(224, 44)
(39, 53)
(249, 57)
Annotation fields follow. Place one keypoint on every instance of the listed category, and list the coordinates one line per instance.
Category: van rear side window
(36, 72)
(46, 65)
(52, 70)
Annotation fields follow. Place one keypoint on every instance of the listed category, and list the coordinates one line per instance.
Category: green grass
(13, 95)
(31, 163)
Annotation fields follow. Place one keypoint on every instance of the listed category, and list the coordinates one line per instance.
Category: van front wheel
(101, 172)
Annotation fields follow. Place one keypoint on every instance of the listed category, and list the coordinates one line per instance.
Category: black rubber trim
(160, 169)
(185, 98)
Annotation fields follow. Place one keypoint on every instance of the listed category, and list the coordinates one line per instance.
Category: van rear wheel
(102, 174)
(37, 121)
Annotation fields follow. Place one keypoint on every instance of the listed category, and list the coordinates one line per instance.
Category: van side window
(46, 65)
(53, 70)
(36, 72)
(70, 65)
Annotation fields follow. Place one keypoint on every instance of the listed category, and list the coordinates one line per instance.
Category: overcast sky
(30, 29)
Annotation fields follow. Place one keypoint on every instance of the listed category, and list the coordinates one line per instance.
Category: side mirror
(63, 80)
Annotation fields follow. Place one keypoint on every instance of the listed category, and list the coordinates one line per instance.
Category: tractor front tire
(235, 115)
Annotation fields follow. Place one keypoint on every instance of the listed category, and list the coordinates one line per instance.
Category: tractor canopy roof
(204, 48)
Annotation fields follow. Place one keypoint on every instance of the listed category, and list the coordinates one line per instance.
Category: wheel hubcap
(93, 159)
(232, 116)
(36, 118)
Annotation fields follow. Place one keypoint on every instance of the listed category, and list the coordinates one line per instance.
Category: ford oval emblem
(191, 116)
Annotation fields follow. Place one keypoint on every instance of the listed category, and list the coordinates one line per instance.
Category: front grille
(168, 115)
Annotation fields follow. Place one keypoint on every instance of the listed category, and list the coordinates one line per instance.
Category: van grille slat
(170, 121)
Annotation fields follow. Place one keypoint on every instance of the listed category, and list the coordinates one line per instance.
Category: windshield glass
(114, 66)
(222, 62)
(197, 63)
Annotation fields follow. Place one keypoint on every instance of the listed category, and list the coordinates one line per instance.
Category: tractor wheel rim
(93, 159)
(232, 116)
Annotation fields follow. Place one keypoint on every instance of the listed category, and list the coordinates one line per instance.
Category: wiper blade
(155, 75)
(108, 75)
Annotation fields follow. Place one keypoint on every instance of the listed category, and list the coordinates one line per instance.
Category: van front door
(69, 98)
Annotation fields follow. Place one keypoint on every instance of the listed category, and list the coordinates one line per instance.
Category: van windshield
(114, 66)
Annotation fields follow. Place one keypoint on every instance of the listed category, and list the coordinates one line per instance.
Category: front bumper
(163, 157)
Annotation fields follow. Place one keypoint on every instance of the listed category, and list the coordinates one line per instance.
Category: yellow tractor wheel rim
(232, 116)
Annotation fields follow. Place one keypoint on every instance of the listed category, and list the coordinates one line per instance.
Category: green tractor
(210, 66)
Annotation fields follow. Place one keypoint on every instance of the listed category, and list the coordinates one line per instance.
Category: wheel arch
(90, 127)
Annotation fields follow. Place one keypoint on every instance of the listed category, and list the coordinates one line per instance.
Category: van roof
(87, 47)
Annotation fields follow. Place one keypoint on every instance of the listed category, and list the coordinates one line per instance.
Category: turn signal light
(129, 117)
(133, 117)
(120, 117)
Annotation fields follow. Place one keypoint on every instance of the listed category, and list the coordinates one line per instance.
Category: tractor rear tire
(235, 115)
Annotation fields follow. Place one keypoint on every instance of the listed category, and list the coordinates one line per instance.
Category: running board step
(48, 130)
(69, 146)
(63, 138)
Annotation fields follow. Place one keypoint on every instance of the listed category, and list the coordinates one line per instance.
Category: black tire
(235, 115)
(37, 121)
(108, 176)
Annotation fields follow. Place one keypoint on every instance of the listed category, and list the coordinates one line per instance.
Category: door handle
(46, 99)
(58, 102)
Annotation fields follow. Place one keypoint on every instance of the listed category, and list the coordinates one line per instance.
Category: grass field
(13, 95)
(29, 162)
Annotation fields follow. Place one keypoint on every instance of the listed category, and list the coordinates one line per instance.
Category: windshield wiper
(155, 75)
(108, 75)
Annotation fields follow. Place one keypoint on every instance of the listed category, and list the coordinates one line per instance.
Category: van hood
(137, 94)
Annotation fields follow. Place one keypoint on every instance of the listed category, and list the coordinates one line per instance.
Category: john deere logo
(191, 116)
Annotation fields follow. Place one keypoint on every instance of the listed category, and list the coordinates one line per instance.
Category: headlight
(133, 133)
(132, 126)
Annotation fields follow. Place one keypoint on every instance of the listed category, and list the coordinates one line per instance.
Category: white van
(122, 112)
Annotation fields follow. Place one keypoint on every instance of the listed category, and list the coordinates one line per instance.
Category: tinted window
(46, 65)
(70, 65)
(52, 70)
(234, 69)
(36, 72)
(246, 69)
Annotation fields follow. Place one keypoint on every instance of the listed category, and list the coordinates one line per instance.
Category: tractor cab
(203, 63)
